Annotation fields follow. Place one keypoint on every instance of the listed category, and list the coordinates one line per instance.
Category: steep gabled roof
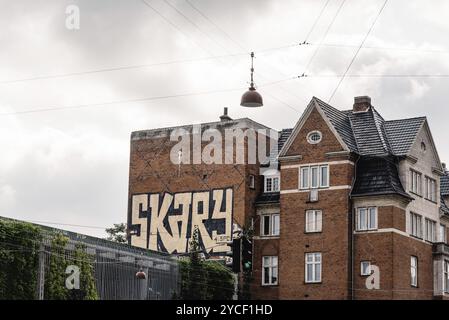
(340, 121)
(402, 133)
(368, 132)
(317, 104)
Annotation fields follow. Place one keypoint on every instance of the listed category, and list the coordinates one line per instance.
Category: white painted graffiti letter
(72, 21)
(73, 280)
(373, 281)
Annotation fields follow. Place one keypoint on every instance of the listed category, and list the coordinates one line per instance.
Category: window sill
(313, 232)
(270, 285)
(314, 282)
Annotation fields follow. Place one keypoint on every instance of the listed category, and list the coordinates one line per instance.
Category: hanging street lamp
(251, 98)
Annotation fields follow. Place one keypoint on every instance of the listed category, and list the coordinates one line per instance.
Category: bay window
(366, 219)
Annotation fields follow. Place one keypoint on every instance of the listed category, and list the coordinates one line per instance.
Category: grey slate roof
(378, 176)
(444, 187)
(341, 123)
(284, 134)
(368, 133)
(402, 133)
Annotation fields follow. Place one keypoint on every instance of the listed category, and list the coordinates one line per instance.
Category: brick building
(351, 206)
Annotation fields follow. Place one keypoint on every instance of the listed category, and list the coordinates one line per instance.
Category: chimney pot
(225, 116)
(362, 104)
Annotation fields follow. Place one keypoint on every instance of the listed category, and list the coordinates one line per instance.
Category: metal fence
(113, 266)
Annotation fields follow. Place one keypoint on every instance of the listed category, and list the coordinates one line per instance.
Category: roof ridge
(412, 118)
(382, 135)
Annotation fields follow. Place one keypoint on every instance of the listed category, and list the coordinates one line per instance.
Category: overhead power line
(80, 106)
(358, 50)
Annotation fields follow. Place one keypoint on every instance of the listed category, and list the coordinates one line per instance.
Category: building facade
(347, 206)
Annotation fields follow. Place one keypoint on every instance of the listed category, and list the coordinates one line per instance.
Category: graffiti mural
(165, 222)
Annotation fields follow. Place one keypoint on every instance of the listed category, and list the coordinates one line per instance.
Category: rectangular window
(446, 276)
(270, 270)
(314, 220)
(430, 230)
(324, 177)
(314, 177)
(314, 181)
(271, 184)
(431, 189)
(366, 218)
(252, 181)
(270, 225)
(413, 271)
(416, 182)
(365, 268)
(415, 225)
(442, 233)
(313, 267)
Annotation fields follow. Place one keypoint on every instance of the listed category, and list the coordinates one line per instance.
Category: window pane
(266, 225)
(275, 227)
(314, 177)
(266, 275)
(317, 272)
(274, 275)
(304, 178)
(362, 219)
(274, 261)
(319, 220)
(309, 272)
(275, 184)
(372, 218)
(266, 261)
(324, 176)
(268, 184)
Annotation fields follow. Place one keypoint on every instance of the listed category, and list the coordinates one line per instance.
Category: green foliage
(117, 233)
(19, 251)
(84, 261)
(204, 280)
(55, 288)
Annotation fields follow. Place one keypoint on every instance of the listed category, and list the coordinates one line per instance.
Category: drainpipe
(351, 236)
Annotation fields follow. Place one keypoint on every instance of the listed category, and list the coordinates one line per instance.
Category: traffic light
(247, 254)
(236, 255)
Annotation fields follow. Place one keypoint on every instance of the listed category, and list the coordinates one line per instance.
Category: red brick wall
(391, 252)
(332, 242)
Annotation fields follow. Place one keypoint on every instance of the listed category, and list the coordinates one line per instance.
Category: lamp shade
(251, 99)
(141, 275)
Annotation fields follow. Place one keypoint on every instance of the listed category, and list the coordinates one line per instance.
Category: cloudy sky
(70, 166)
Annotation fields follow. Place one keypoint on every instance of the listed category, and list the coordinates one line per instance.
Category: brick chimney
(225, 116)
(362, 104)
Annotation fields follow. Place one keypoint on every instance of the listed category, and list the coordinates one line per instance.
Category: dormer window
(271, 184)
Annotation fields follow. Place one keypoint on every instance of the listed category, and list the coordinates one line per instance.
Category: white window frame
(368, 269)
(273, 267)
(414, 271)
(314, 221)
(430, 228)
(431, 189)
(315, 262)
(369, 214)
(274, 187)
(416, 182)
(442, 233)
(272, 230)
(416, 229)
(309, 137)
(445, 276)
(305, 181)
